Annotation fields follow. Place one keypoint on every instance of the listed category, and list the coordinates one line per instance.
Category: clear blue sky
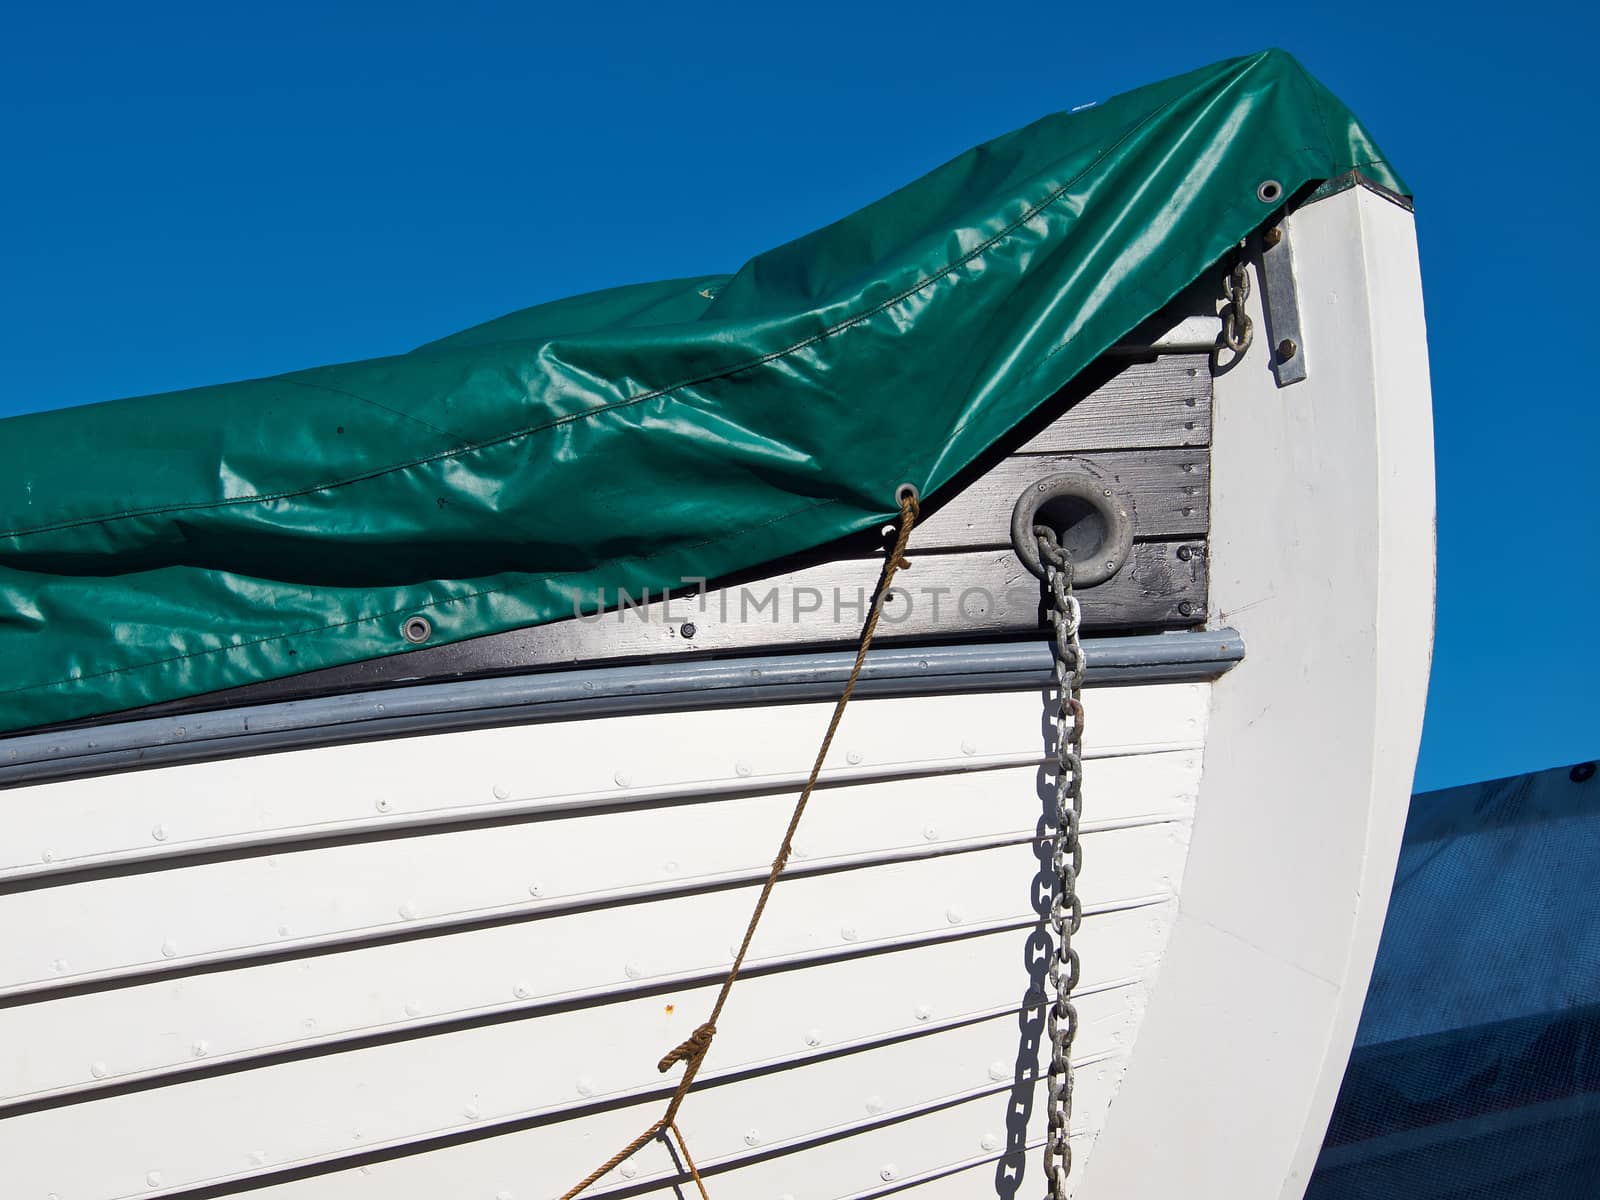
(197, 193)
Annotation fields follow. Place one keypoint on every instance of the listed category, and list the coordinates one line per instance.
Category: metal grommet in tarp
(417, 630)
(1091, 517)
(906, 491)
(1269, 191)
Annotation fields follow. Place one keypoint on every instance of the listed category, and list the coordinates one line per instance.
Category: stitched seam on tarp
(761, 360)
(401, 413)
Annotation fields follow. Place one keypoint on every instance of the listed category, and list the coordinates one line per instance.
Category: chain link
(1066, 855)
(1236, 324)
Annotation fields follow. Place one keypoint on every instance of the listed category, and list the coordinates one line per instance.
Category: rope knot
(910, 509)
(691, 1049)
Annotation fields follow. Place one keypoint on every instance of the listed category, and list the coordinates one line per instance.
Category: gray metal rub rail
(602, 691)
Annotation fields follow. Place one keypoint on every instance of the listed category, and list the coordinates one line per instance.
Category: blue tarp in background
(1476, 1068)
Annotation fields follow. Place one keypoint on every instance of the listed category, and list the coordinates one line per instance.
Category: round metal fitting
(906, 491)
(1091, 518)
(417, 630)
(1269, 191)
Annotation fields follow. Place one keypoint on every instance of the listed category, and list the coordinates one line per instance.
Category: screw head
(1185, 608)
(1287, 350)
(688, 629)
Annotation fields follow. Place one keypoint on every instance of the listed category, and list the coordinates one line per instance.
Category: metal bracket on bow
(1280, 303)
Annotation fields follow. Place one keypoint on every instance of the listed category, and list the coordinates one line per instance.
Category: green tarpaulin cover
(171, 545)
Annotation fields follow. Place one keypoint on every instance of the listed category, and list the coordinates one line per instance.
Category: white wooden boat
(421, 926)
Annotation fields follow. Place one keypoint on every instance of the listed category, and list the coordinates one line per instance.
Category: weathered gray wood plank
(1170, 489)
(964, 594)
(1164, 402)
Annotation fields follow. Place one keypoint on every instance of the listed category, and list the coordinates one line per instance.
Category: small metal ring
(1270, 191)
(906, 491)
(417, 630)
(1086, 488)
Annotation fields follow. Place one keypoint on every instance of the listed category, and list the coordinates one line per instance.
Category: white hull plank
(292, 1000)
(857, 1126)
(149, 923)
(479, 970)
(323, 1109)
(382, 786)
(575, 958)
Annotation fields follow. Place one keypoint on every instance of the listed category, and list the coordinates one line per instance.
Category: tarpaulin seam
(401, 413)
(394, 612)
(567, 419)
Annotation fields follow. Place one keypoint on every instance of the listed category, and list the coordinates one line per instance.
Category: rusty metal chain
(1236, 324)
(1066, 855)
